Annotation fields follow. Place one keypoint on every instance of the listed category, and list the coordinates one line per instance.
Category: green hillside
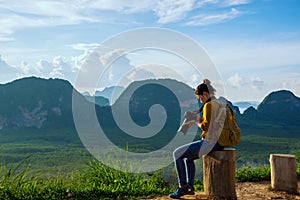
(36, 119)
(36, 102)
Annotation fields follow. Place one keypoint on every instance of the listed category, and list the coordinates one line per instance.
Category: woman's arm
(204, 125)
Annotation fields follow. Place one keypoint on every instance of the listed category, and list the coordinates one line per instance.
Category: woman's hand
(199, 119)
(190, 123)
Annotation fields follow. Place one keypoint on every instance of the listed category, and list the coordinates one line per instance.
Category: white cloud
(84, 46)
(221, 3)
(247, 87)
(16, 15)
(40, 12)
(102, 67)
(235, 81)
(292, 83)
(25, 68)
(173, 10)
(206, 2)
(8, 73)
(139, 74)
(111, 56)
(125, 6)
(203, 20)
(257, 83)
(28, 70)
(117, 70)
(195, 78)
(59, 67)
(5, 33)
(235, 2)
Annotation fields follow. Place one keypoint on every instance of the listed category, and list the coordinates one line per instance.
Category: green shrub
(247, 173)
(199, 185)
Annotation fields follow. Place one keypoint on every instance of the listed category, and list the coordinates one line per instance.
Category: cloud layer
(16, 15)
(202, 20)
(8, 73)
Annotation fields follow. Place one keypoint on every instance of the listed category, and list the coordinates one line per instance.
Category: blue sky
(254, 44)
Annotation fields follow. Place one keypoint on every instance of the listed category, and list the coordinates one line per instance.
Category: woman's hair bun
(206, 81)
(205, 87)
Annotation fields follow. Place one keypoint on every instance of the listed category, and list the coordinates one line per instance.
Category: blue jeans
(184, 157)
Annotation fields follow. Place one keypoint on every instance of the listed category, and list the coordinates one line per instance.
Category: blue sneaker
(191, 190)
(179, 192)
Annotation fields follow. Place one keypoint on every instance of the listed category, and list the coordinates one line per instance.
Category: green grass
(97, 181)
(45, 165)
(50, 152)
(46, 159)
(62, 150)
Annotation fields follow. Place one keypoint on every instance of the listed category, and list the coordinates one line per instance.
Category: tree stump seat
(219, 174)
(284, 172)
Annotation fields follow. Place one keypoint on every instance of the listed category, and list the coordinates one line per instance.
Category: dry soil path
(249, 191)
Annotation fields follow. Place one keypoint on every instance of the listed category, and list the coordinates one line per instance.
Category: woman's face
(204, 97)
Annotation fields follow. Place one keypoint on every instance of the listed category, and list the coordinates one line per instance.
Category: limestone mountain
(279, 108)
(35, 103)
(282, 106)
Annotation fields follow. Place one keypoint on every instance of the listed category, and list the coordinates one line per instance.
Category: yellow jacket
(211, 129)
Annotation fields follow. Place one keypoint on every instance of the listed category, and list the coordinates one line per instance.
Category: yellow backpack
(234, 136)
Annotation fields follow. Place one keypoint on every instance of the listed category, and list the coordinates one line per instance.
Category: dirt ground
(250, 191)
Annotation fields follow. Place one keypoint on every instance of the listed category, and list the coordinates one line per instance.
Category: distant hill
(99, 100)
(243, 105)
(110, 93)
(235, 108)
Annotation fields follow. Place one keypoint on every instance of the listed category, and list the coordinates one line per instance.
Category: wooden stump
(219, 174)
(283, 172)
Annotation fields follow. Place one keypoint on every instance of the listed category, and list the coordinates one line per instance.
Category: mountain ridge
(280, 107)
(47, 103)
